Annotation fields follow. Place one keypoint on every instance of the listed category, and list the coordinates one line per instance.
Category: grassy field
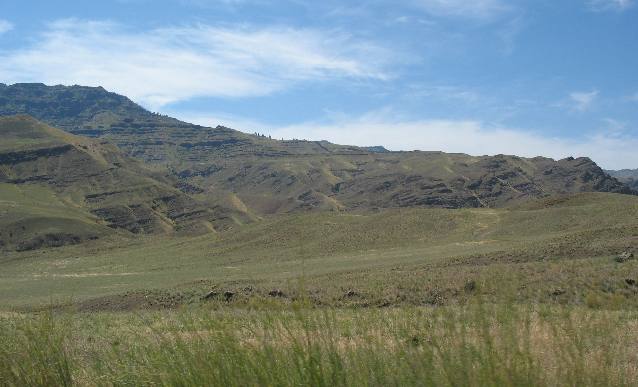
(528, 295)
(478, 345)
(558, 250)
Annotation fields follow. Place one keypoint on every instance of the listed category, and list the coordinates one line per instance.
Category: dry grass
(477, 345)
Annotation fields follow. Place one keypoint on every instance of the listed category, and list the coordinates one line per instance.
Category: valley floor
(528, 295)
(557, 251)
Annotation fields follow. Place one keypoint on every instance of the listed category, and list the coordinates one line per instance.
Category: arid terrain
(136, 249)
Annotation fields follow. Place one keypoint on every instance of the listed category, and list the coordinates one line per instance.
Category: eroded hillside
(260, 175)
(59, 188)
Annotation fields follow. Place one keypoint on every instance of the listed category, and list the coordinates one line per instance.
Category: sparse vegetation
(261, 176)
(526, 296)
(233, 259)
(548, 251)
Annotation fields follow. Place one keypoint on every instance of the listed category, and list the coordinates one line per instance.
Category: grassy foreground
(478, 345)
(529, 295)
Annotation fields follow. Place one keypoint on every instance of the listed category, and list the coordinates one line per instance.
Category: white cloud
(610, 5)
(446, 93)
(165, 65)
(5, 26)
(583, 101)
(611, 149)
(471, 137)
(470, 9)
(614, 127)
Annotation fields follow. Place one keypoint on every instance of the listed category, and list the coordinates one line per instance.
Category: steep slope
(93, 183)
(406, 179)
(153, 138)
(257, 174)
(33, 217)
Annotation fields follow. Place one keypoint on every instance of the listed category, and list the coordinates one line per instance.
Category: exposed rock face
(95, 180)
(49, 240)
(259, 175)
(14, 158)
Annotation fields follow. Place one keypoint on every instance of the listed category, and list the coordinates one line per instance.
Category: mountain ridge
(266, 176)
(626, 176)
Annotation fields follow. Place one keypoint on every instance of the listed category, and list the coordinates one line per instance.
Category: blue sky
(542, 77)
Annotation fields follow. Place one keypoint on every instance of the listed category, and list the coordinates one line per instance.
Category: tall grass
(478, 345)
(33, 352)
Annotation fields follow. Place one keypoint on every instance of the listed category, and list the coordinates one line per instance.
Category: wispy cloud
(510, 32)
(614, 128)
(583, 101)
(165, 65)
(610, 5)
(445, 93)
(5, 26)
(474, 9)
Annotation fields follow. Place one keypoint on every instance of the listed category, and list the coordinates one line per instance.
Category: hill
(626, 176)
(411, 278)
(259, 175)
(59, 188)
(559, 249)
